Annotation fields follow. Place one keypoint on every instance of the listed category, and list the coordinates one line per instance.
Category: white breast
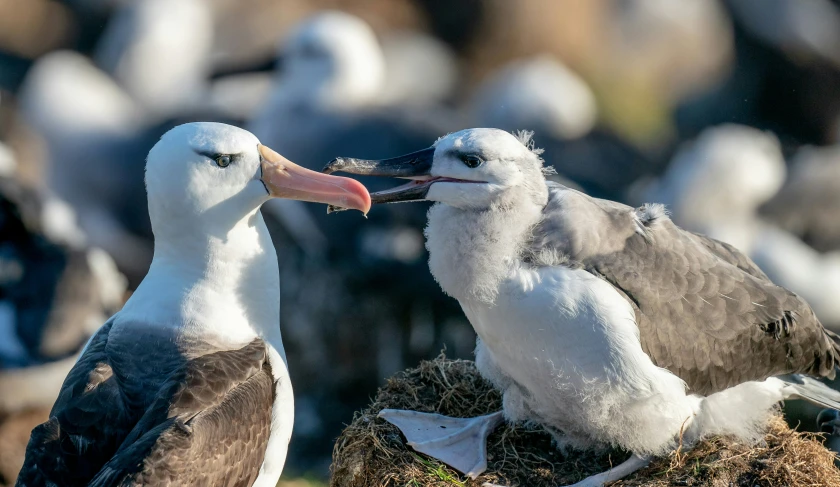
(568, 348)
(282, 418)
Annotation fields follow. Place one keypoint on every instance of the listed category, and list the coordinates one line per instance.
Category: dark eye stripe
(215, 156)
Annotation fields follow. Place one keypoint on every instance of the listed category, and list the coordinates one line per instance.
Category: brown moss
(372, 453)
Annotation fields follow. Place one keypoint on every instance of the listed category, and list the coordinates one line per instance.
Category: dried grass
(372, 453)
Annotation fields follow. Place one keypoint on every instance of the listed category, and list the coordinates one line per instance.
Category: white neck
(223, 289)
(471, 252)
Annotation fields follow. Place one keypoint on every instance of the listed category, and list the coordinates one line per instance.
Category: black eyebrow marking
(462, 154)
(208, 154)
(216, 155)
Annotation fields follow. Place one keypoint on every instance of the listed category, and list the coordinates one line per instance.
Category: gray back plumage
(704, 310)
(139, 411)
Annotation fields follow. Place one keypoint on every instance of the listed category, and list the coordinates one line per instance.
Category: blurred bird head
(538, 94)
(159, 52)
(207, 178)
(333, 60)
(727, 172)
(475, 169)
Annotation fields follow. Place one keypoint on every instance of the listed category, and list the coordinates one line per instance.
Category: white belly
(567, 346)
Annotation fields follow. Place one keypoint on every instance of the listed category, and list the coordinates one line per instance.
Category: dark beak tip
(334, 165)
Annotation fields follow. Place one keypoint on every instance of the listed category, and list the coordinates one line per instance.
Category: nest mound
(372, 453)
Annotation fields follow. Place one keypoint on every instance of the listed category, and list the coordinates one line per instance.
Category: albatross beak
(285, 179)
(416, 166)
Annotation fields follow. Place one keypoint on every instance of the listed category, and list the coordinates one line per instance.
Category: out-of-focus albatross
(188, 384)
(606, 324)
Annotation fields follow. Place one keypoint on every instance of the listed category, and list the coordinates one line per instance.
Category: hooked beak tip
(366, 199)
(285, 179)
(343, 164)
(333, 166)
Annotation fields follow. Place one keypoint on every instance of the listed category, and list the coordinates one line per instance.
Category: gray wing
(209, 426)
(730, 254)
(704, 310)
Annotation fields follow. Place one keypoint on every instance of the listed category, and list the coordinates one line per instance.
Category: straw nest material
(372, 453)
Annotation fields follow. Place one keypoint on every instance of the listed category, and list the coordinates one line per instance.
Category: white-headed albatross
(188, 384)
(606, 324)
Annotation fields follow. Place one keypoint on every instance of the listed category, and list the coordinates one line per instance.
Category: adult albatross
(188, 384)
(606, 324)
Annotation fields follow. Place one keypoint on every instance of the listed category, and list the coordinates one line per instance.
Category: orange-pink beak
(285, 179)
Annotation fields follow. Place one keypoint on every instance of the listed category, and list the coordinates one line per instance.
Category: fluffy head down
(475, 236)
(509, 167)
(651, 213)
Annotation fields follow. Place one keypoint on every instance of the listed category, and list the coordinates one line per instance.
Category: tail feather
(802, 387)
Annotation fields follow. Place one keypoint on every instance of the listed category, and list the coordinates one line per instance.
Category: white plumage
(198, 344)
(605, 324)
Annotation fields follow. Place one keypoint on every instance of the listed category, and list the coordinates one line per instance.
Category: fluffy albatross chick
(606, 324)
(188, 384)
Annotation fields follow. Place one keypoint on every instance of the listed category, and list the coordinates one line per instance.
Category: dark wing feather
(85, 424)
(209, 426)
(704, 310)
(204, 421)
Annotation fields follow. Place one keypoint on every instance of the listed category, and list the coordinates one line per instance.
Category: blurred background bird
(727, 111)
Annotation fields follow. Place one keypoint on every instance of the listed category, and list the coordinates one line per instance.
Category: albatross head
(213, 176)
(474, 169)
(332, 59)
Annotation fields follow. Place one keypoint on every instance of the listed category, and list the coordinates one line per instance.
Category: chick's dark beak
(416, 166)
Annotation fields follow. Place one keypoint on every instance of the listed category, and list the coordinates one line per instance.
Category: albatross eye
(223, 160)
(471, 161)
